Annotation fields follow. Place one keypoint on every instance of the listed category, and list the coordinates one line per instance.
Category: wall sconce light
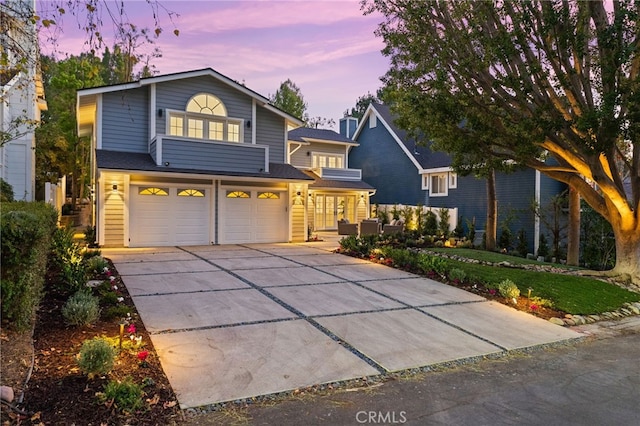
(114, 188)
(298, 193)
(309, 193)
(308, 153)
(160, 112)
(166, 163)
(361, 195)
(248, 124)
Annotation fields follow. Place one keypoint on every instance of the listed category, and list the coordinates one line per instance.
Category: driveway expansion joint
(295, 311)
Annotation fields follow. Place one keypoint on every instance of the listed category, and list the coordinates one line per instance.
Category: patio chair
(346, 228)
(370, 227)
(394, 227)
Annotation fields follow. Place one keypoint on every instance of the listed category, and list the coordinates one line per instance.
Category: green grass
(490, 256)
(569, 293)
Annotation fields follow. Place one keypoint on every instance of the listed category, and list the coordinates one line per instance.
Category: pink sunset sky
(327, 48)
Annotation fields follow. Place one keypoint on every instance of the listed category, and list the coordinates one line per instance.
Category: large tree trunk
(492, 212)
(627, 255)
(573, 244)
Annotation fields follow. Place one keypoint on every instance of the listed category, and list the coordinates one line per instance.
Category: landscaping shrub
(25, 243)
(127, 395)
(119, 311)
(430, 223)
(543, 247)
(360, 245)
(67, 261)
(508, 289)
(443, 224)
(401, 257)
(432, 264)
(523, 247)
(96, 357)
(81, 309)
(597, 244)
(457, 275)
(96, 264)
(6, 191)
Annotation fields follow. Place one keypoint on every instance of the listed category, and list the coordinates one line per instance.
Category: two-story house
(337, 192)
(404, 172)
(21, 97)
(196, 158)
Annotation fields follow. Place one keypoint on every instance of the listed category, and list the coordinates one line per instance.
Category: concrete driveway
(234, 322)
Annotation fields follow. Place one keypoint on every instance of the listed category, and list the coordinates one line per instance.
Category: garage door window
(190, 192)
(152, 190)
(269, 195)
(238, 194)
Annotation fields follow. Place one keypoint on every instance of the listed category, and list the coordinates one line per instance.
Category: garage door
(168, 216)
(251, 216)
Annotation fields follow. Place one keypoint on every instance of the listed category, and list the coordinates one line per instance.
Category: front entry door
(331, 208)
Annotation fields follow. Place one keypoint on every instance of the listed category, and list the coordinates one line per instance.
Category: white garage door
(251, 216)
(168, 216)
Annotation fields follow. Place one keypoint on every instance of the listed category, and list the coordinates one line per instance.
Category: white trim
(98, 122)
(425, 181)
(125, 208)
(453, 180)
(373, 122)
(254, 114)
(205, 176)
(152, 111)
(446, 184)
(101, 210)
(436, 170)
(327, 141)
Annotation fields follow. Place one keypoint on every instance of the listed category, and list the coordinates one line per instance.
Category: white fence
(389, 208)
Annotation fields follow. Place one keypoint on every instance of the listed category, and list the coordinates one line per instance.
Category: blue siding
(125, 120)
(175, 95)
(386, 167)
(271, 131)
(213, 156)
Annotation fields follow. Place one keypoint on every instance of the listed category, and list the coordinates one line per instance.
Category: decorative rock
(93, 283)
(569, 322)
(568, 316)
(578, 320)
(634, 309)
(6, 393)
(556, 321)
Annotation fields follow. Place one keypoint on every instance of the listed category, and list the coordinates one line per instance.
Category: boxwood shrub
(26, 236)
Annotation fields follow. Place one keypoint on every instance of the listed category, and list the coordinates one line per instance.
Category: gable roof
(262, 101)
(309, 134)
(421, 156)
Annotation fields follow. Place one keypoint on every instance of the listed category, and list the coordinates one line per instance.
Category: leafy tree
(289, 99)
(59, 150)
(361, 106)
(558, 79)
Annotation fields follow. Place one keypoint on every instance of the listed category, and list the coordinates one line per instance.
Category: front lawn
(579, 295)
(569, 293)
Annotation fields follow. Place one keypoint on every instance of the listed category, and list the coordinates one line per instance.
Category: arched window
(204, 103)
(205, 117)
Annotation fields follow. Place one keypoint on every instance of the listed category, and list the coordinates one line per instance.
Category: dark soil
(57, 392)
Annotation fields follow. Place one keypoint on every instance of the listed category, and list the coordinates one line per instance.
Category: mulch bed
(59, 393)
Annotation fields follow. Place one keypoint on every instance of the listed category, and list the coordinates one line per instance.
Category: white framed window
(152, 190)
(453, 180)
(205, 117)
(425, 181)
(373, 121)
(334, 161)
(238, 194)
(438, 185)
(190, 192)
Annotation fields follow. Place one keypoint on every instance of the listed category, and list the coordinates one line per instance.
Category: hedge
(26, 237)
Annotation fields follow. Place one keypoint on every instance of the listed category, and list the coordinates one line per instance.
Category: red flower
(131, 329)
(142, 355)
(533, 307)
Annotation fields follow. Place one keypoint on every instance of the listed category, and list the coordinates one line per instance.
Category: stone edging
(626, 310)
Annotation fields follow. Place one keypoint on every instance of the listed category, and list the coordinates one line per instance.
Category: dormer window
(205, 117)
